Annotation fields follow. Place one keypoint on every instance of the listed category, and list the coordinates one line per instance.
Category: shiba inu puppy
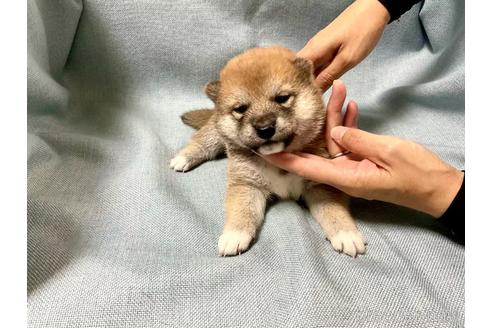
(266, 101)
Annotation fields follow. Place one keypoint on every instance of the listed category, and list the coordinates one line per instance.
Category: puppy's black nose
(265, 132)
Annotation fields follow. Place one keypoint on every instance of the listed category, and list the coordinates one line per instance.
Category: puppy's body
(265, 102)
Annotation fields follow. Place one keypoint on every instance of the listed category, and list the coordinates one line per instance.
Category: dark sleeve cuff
(396, 8)
(454, 217)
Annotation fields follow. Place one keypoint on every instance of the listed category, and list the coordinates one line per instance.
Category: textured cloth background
(116, 239)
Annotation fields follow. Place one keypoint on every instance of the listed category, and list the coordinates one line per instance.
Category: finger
(334, 115)
(320, 56)
(308, 52)
(368, 145)
(351, 115)
(349, 161)
(315, 169)
(338, 66)
(306, 155)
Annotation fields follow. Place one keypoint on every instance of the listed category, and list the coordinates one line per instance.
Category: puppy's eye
(281, 99)
(241, 109)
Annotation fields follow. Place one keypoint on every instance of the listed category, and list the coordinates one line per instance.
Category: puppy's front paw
(350, 242)
(234, 242)
(181, 163)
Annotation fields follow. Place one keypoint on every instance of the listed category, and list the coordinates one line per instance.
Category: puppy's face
(267, 101)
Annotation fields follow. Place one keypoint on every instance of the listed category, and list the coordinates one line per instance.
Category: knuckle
(325, 79)
(347, 60)
(393, 149)
(344, 60)
(386, 151)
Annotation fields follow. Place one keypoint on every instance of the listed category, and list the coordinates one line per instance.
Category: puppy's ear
(305, 67)
(212, 90)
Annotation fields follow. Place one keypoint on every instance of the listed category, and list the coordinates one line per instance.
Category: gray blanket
(117, 239)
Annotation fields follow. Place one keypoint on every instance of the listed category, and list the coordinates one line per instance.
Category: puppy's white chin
(271, 148)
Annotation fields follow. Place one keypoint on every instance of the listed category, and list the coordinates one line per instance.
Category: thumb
(365, 144)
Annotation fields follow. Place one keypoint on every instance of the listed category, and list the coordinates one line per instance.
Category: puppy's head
(267, 101)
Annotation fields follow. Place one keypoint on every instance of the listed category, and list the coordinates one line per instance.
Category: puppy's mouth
(273, 147)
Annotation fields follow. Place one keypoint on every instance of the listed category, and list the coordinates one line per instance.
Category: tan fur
(197, 118)
(253, 81)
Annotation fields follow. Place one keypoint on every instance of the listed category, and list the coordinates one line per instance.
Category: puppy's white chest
(284, 185)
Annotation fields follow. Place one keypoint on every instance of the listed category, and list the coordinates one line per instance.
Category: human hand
(346, 41)
(383, 168)
(335, 118)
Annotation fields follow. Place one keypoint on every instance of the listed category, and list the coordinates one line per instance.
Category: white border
(478, 164)
(13, 27)
(478, 128)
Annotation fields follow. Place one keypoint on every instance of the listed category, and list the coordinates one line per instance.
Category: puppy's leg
(330, 208)
(245, 210)
(205, 145)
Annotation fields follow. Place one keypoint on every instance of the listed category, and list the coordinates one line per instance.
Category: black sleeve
(454, 217)
(396, 8)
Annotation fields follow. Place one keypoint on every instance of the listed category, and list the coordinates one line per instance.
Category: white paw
(234, 242)
(180, 163)
(350, 242)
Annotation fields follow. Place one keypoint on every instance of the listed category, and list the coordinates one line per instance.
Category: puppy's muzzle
(265, 126)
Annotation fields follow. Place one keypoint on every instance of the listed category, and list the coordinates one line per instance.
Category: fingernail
(338, 132)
